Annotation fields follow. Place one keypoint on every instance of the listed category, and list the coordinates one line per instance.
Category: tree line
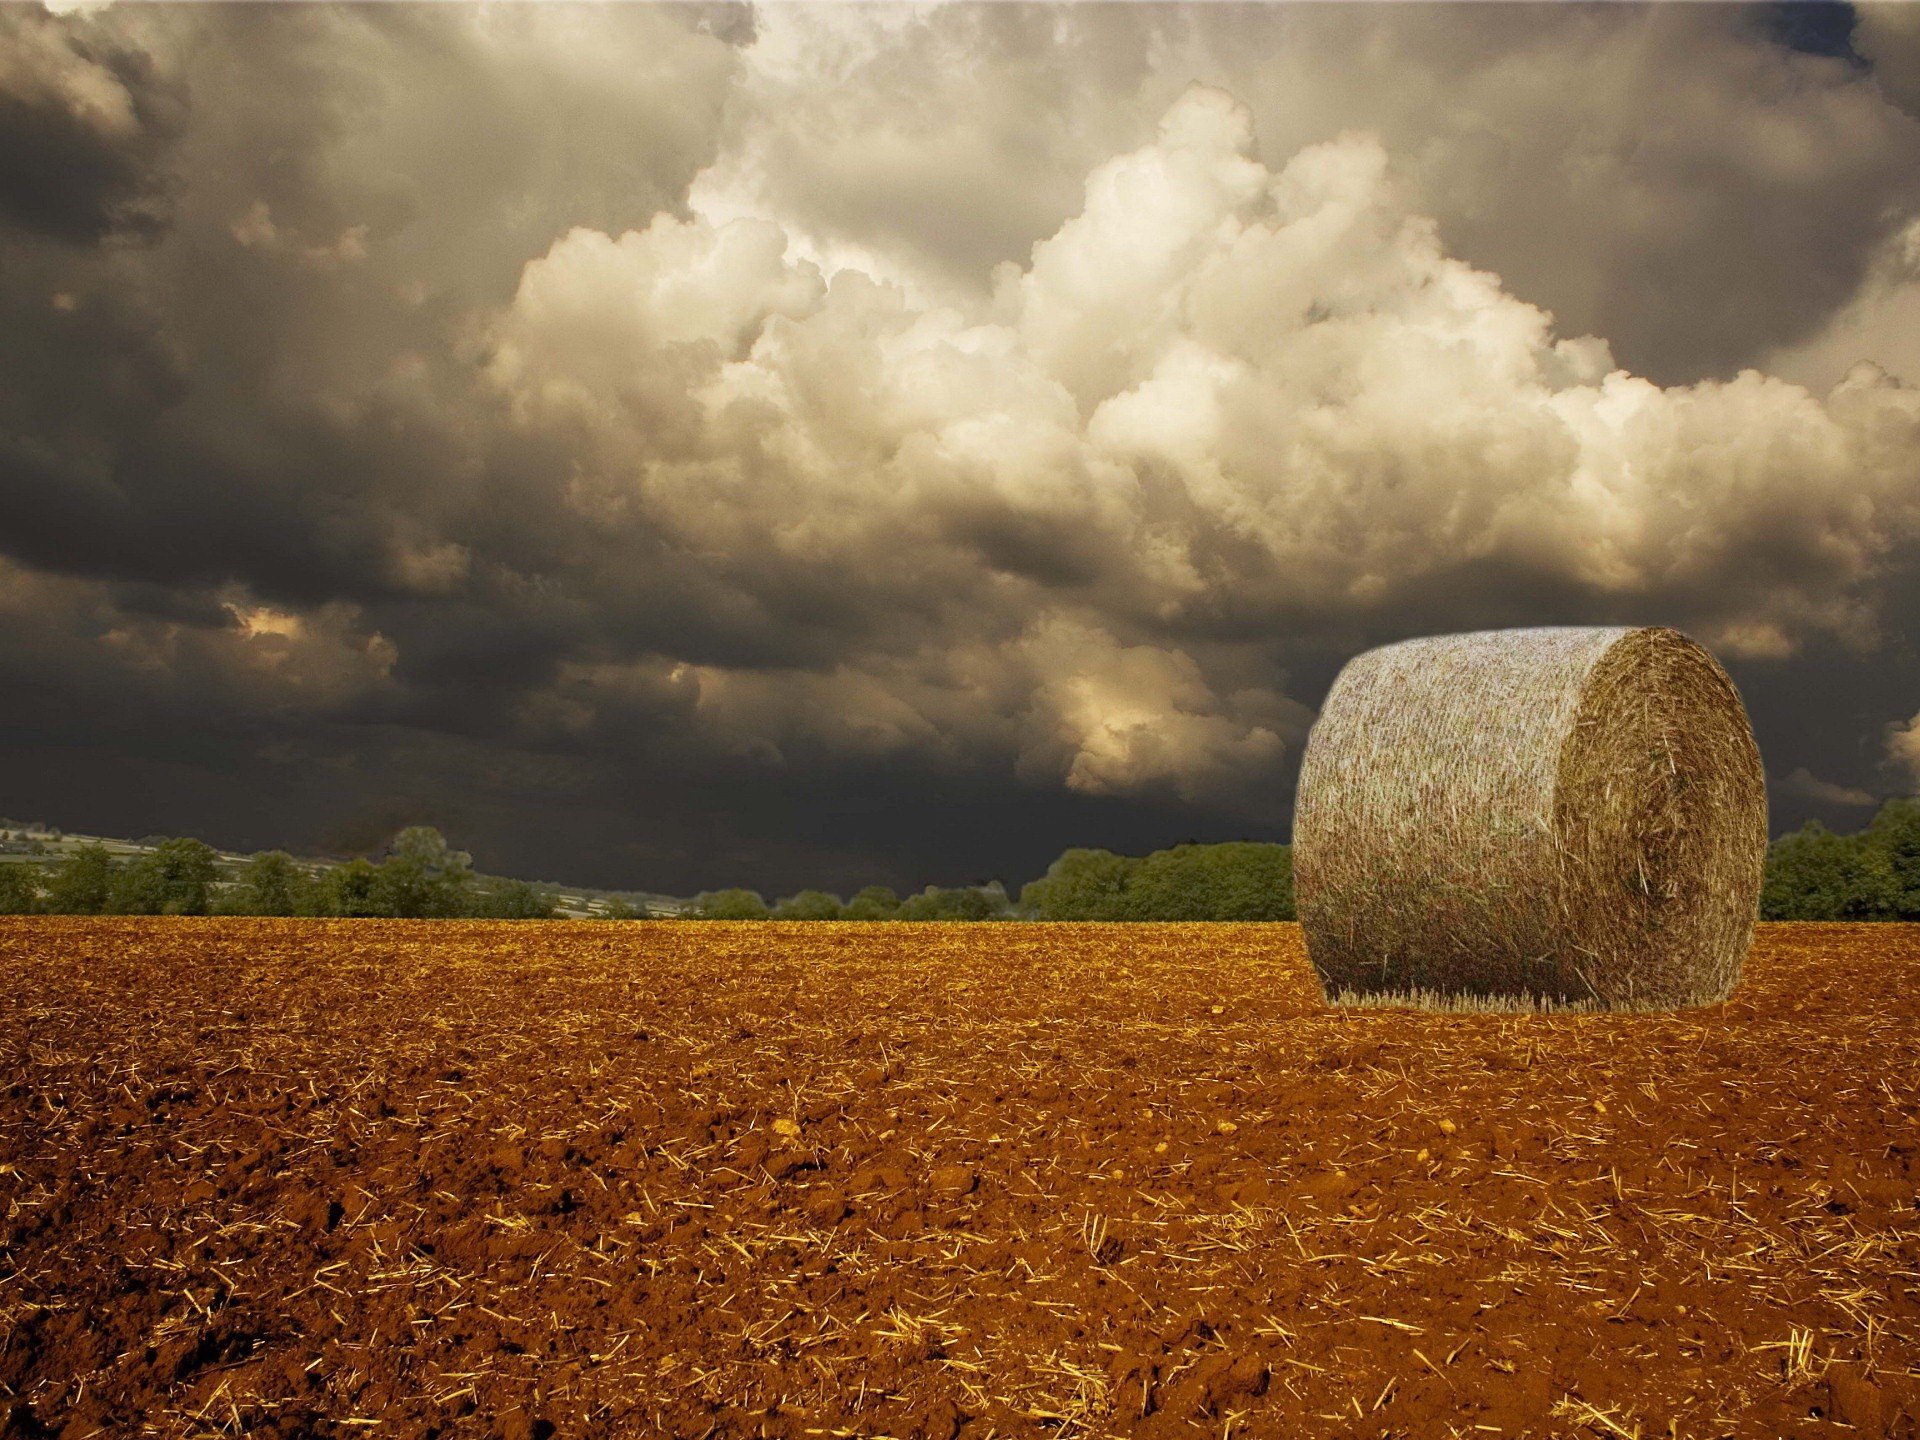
(420, 877)
(1812, 874)
(1238, 880)
(875, 902)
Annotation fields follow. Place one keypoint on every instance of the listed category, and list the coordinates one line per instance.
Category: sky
(683, 446)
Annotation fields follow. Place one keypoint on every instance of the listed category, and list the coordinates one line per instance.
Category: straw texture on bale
(1575, 815)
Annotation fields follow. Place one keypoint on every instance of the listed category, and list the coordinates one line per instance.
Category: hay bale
(1565, 814)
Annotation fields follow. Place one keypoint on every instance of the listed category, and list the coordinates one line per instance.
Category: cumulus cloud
(1804, 783)
(1619, 165)
(1903, 748)
(256, 230)
(1224, 397)
(1119, 719)
(1879, 325)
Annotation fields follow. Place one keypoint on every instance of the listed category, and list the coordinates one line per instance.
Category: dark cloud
(84, 121)
(1888, 36)
(1819, 27)
(669, 446)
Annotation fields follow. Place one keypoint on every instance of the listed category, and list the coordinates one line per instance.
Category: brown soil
(390, 1179)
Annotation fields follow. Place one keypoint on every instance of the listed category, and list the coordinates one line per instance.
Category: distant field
(312, 1178)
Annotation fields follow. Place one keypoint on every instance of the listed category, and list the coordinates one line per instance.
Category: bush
(1080, 885)
(876, 902)
(353, 889)
(423, 878)
(512, 900)
(1895, 834)
(81, 884)
(174, 878)
(1814, 874)
(1239, 880)
(973, 903)
(272, 884)
(19, 890)
(728, 905)
(809, 905)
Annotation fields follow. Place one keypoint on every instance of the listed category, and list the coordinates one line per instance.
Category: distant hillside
(32, 842)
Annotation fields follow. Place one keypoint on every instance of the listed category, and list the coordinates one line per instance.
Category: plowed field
(305, 1178)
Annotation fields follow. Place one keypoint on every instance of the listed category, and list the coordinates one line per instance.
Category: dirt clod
(1855, 1400)
(951, 1180)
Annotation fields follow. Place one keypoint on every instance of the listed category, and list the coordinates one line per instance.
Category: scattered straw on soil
(289, 1178)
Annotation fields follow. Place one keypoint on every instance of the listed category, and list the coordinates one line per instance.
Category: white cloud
(1903, 748)
(599, 320)
(42, 65)
(256, 230)
(1618, 164)
(1880, 325)
(1117, 719)
(1804, 783)
(1220, 386)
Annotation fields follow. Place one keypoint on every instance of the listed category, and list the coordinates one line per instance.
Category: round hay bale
(1565, 815)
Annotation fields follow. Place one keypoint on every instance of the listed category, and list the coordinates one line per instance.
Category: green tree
(353, 889)
(1238, 880)
(619, 909)
(1814, 874)
(925, 905)
(1895, 834)
(423, 877)
(174, 878)
(1080, 885)
(511, 900)
(82, 883)
(272, 884)
(19, 890)
(876, 902)
(965, 903)
(809, 905)
(734, 904)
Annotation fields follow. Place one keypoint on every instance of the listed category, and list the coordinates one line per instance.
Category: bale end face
(1569, 815)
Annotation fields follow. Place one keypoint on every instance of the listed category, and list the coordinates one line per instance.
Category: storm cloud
(677, 446)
